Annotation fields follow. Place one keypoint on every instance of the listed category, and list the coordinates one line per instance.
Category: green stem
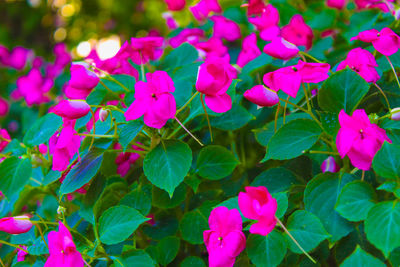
(389, 115)
(187, 103)
(98, 135)
(208, 119)
(306, 96)
(310, 56)
(302, 109)
(12, 245)
(284, 111)
(142, 153)
(183, 126)
(276, 116)
(394, 71)
(141, 146)
(322, 152)
(384, 96)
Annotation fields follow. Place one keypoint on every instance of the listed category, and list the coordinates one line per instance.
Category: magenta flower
(280, 48)
(225, 239)
(203, 8)
(153, 100)
(385, 6)
(175, 5)
(21, 254)
(17, 57)
(4, 135)
(213, 80)
(191, 36)
(362, 62)
(249, 51)
(4, 53)
(395, 115)
(125, 160)
(262, 96)
(71, 109)
(339, 4)
(43, 148)
(289, 79)
(4, 107)
(385, 42)
(255, 7)
(145, 49)
(212, 47)
(82, 82)
(298, 32)
(330, 165)
(62, 249)
(359, 139)
(225, 28)
(33, 87)
(267, 23)
(64, 145)
(170, 21)
(15, 225)
(258, 204)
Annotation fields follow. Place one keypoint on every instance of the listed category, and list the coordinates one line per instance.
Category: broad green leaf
(330, 122)
(14, 175)
(320, 197)
(233, 203)
(342, 90)
(138, 199)
(38, 247)
(307, 229)
(233, 119)
(275, 179)
(192, 226)
(117, 223)
(42, 130)
(167, 250)
(167, 164)
(386, 162)
(183, 55)
(192, 261)
(162, 200)
(129, 132)
(136, 258)
(215, 162)
(268, 250)
(283, 203)
(360, 258)
(292, 139)
(355, 201)
(83, 172)
(382, 226)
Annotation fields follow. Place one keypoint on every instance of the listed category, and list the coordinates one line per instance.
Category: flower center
(362, 133)
(355, 69)
(294, 69)
(378, 34)
(153, 95)
(220, 241)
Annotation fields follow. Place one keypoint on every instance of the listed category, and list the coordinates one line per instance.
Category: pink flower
(145, 49)
(203, 8)
(154, 100)
(385, 42)
(225, 28)
(362, 62)
(63, 58)
(21, 254)
(191, 36)
(289, 79)
(33, 87)
(82, 81)
(258, 204)
(225, 239)
(339, 4)
(249, 51)
(18, 57)
(359, 139)
(298, 32)
(213, 47)
(262, 96)
(3, 107)
(395, 114)
(280, 48)
(43, 148)
(385, 6)
(5, 139)
(4, 54)
(267, 23)
(64, 145)
(71, 109)
(175, 5)
(169, 20)
(330, 165)
(255, 7)
(62, 249)
(15, 225)
(213, 80)
(125, 160)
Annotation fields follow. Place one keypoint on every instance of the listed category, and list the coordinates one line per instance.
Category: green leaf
(183, 55)
(136, 258)
(233, 119)
(320, 198)
(283, 203)
(42, 130)
(168, 248)
(233, 203)
(83, 172)
(215, 162)
(14, 175)
(129, 132)
(292, 139)
(342, 90)
(167, 164)
(382, 226)
(307, 229)
(386, 162)
(268, 250)
(38, 247)
(192, 226)
(355, 201)
(360, 258)
(117, 223)
(162, 200)
(330, 122)
(192, 261)
(138, 199)
(275, 179)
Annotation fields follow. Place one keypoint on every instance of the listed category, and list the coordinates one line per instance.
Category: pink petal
(367, 36)
(262, 96)
(219, 103)
(137, 109)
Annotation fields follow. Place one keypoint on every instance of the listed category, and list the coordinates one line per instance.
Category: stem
(12, 245)
(284, 111)
(302, 109)
(141, 146)
(390, 114)
(2, 263)
(306, 96)
(98, 135)
(187, 103)
(294, 240)
(384, 96)
(394, 71)
(362, 175)
(354, 171)
(94, 127)
(142, 67)
(41, 234)
(142, 153)
(310, 56)
(194, 137)
(276, 116)
(322, 152)
(111, 78)
(105, 86)
(208, 119)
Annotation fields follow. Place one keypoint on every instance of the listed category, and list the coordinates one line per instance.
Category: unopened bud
(395, 114)
(61, 210)
(330, 165)
(103, 114)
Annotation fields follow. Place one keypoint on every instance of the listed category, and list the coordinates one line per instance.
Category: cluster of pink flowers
(225, 239)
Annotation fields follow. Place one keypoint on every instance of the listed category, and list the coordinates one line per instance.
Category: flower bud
(395, 114)
(61, 210)
(15, 225)
(330, 165)
(103, 114)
